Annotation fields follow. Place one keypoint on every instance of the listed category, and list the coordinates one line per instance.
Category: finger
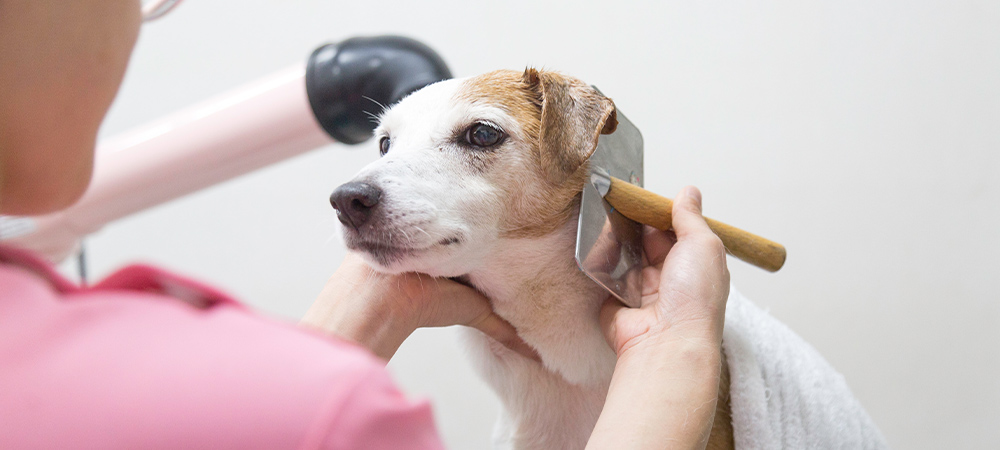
(624, 327)
(503, 332)
(609, 321)
(443, 302)
(687, 219)
(622, 324)
(656, 244)
(650, 281)
(451, 303)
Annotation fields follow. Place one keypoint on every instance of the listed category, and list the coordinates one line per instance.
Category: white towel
(783, 394)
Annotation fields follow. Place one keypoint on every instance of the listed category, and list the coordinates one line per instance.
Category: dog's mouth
(379, 248)
(386, 252)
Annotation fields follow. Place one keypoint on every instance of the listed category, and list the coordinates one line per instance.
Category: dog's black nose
(354, 202)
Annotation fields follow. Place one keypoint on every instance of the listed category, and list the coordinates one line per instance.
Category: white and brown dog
(480, 179)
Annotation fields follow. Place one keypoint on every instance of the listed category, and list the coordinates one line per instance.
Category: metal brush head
(609, 245)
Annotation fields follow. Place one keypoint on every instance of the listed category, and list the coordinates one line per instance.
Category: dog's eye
(483, 135)
(383, 145)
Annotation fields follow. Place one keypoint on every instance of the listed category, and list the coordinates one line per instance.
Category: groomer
(148, 359)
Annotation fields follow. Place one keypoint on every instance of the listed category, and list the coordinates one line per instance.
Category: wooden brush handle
(648, 208)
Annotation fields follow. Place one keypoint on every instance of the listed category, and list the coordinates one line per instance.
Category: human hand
(666, 382)
(379, 311)
(684, 288)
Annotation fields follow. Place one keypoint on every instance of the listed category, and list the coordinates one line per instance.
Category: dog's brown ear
(574, 115)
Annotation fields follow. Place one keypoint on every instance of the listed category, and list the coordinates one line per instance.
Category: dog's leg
(721, 437)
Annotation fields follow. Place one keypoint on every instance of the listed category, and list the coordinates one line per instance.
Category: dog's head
(469, 163)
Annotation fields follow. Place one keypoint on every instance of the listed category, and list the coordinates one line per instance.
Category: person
(149, 359)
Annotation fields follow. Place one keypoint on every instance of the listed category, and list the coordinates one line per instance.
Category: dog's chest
(537, 288)
(541, 410)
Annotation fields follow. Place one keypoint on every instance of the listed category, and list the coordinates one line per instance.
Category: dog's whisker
(373, 118)
(423, 231)
(440, 209)
(384, 108)
(405, 235)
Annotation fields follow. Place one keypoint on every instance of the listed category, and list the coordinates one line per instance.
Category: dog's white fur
(443, 213)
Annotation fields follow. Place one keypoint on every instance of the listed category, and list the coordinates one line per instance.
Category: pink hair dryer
(261, 123)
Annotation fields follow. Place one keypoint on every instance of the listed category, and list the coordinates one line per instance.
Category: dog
(480, 180)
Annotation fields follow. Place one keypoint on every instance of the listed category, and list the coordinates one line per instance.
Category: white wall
(862, 135)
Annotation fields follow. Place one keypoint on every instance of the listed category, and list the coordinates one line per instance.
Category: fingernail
(693, 192)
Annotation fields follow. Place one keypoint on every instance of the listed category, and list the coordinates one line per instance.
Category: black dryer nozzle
(348, 81)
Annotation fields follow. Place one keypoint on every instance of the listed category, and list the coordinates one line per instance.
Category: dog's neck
(535, 285)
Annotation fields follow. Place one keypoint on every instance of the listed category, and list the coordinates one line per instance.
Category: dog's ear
(573, 116)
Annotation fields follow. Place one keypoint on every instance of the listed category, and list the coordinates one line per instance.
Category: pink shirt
(147, 359)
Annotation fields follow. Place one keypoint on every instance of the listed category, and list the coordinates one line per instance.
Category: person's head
(63, 62)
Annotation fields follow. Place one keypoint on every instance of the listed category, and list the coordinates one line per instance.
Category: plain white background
(862, 135)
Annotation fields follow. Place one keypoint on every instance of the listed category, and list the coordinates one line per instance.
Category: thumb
(503, 332)
(611, 316)
(687, 219)
(458, 304)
